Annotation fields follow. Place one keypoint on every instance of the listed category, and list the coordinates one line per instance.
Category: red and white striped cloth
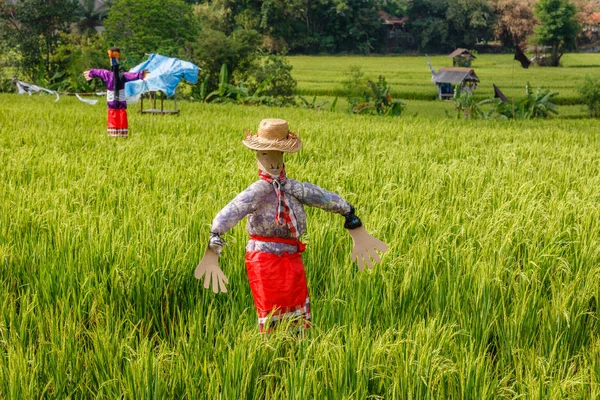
(285, 214)
(279, 289)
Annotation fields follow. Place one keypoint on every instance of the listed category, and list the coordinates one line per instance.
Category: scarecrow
(276, 219)
(115, 92)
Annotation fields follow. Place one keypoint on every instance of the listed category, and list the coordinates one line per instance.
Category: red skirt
(279, 288)
(117, 122)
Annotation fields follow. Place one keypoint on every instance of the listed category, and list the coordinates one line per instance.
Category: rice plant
(489, 289)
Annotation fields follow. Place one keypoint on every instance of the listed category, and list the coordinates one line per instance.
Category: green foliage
(149, 26)
(248, 74)
(368, 97)
(354, 85)
(558, 27)
(6, 83)
(90, 15)
(443, 25)
(75, 54)
(317, 105)
(535, 105)
(468, 108)
(590, 95)
(313, 105)
(215, 15)
(212, 49)
(314, 26)
(33, 28)
(379, 101)
(241, 94)
(276, 69)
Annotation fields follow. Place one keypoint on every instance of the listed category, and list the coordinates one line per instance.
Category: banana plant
(379, 101)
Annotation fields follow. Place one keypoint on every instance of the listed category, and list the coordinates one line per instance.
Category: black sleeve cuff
(352, 221)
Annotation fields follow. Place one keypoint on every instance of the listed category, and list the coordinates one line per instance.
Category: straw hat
(273, 134)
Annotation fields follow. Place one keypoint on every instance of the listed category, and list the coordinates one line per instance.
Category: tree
(214, 48)
(33, 28)
(515, 22)
(585, 10)
(150, 26)
(90, 16)
(358, 26)
(216, 15)
(313, 26)
(558, 27)
(443, 25)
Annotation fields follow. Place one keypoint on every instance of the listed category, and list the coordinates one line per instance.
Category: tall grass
(489, 289)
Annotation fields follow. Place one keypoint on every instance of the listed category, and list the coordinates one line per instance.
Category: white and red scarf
(285, 214)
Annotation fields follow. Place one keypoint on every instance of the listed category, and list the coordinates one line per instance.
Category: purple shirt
(259, 202)
(109, 78)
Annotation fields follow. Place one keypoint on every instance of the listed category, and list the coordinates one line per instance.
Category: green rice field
(409, 76)
(490, 288)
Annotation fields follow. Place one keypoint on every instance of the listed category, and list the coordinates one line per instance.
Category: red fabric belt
(294, 242)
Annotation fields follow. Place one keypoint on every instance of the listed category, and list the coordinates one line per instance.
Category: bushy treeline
(52, 41)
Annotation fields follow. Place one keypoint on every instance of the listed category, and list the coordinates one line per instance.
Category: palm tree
(91, 13)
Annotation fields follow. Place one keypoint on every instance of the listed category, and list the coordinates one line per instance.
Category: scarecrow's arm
(315, 196)
(134, 76)
(97, 73)
(242, 205)
(364, 244)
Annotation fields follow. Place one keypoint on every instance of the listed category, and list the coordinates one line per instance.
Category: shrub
(468, 108)
(213, 48)
(241, 94)
(379, 101)
(532, 106)
(6, 85)
(590, 95)
(278, 71)
(314, 105)
(354, 84)
(75, 54)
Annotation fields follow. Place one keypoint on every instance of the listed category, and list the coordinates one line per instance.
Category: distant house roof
(461, 53)
(387, 19)
(454, 75)
(596, 17)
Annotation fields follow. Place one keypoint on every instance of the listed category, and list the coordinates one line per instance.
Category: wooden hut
(461, 58)
(395, 26)
(448, 80)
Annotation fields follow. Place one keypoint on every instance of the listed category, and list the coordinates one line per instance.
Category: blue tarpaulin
(165, 75)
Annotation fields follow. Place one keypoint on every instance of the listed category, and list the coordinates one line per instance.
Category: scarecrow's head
(114, 54)
(270, 161)
(272, 139)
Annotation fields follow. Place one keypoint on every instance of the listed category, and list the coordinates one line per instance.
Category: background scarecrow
(276, 219)
(115, 92)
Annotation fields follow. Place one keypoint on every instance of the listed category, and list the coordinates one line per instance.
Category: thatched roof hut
(461, 58)
(448, 79)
